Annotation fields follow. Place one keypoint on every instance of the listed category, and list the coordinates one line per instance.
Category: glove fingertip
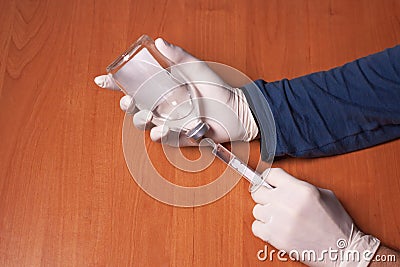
(142, 119)
(99, 80)
(259, 195)
(161, 42)
(127, 104)
(106, 82)
(256, 211)
(158, 133)
(256, 228)
(173, 52)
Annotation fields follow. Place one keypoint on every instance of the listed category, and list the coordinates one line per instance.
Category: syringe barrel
(230, 159)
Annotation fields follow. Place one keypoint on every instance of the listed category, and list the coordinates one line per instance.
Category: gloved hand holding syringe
(167, 95)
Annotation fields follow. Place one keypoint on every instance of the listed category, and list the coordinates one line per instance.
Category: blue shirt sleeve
(347, 108)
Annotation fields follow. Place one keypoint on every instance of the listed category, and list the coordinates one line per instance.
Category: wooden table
(66, 195)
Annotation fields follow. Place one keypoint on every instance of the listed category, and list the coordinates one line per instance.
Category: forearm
(386, 257)
(337, 111)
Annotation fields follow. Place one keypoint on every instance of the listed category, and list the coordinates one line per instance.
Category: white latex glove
(228, 114)
(296, 215)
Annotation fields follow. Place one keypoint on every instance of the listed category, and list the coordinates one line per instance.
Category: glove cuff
(360, 250)
(245, 115)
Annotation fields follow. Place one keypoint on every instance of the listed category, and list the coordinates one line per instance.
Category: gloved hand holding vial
(238, 125)
(183, 101)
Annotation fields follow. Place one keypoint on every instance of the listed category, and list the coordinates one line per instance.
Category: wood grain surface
(66, 195)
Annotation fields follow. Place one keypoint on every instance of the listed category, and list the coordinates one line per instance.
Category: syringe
(235, 163)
